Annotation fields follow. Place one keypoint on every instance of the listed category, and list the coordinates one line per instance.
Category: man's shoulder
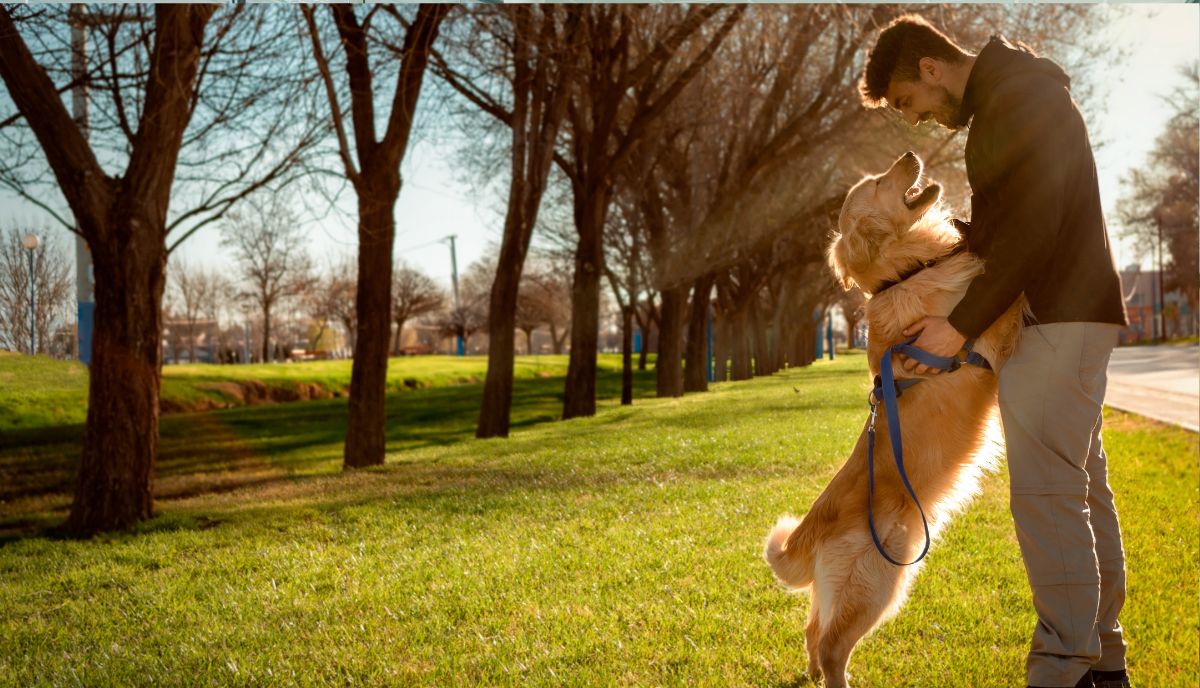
(1023, 92)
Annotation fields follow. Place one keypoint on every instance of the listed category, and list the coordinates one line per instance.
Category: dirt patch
(247, 393)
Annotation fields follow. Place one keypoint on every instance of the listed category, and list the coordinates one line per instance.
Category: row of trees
(1159, 210)
(673, 150)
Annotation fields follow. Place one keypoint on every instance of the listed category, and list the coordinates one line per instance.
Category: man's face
(920, 100)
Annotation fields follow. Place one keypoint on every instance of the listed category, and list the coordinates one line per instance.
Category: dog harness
(888, 389)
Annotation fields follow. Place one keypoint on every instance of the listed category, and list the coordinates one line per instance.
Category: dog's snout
(910, 155)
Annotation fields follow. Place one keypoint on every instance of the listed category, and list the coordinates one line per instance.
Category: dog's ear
(855, 250)
(837, 258)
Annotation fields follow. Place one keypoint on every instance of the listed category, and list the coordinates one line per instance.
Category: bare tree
(329, 301)
(268, 244)
(1161, 198)
(625, 268)
(52, 283)
(638, 60)
(547, 282)
(414, 294)
(193, 290)
(376, 181)
(124, 221)
(165, 92)
(529, 45)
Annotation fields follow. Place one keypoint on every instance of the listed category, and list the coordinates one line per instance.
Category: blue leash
(887, 388)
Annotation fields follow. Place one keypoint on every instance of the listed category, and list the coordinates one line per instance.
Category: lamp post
(460, 347)
(31, 243)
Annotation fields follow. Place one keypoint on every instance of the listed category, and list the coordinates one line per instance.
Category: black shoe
(1110, 679)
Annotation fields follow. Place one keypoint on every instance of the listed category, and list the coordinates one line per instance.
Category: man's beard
(950, 111)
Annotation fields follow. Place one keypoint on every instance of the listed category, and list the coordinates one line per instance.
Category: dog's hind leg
(868, 596)
(812, 639)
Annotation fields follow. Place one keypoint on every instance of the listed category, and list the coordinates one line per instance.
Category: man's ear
(930, 70)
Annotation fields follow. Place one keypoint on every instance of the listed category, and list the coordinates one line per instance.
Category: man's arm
(1028, 156)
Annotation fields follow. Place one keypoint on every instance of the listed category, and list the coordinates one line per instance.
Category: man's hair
(898, 52)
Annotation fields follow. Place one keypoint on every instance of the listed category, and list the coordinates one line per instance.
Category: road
(1160, 382)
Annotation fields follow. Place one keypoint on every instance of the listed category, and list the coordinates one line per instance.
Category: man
(1036, 221)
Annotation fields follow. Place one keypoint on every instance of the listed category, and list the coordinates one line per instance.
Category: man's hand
(938, 337)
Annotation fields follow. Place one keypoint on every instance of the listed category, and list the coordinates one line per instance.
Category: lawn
(622, 549)
(42, 392)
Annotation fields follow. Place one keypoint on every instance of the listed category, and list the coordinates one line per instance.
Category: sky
(436, 202)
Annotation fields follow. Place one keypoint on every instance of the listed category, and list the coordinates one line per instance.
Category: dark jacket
(1036, 218)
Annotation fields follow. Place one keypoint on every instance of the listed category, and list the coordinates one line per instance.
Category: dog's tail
(789, 552)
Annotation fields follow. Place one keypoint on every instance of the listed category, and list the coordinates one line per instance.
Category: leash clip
(874, 411)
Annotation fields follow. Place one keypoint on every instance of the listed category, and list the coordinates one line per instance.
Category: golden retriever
(889, 228)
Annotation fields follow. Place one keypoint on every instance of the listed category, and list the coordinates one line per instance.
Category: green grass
(38, 392)
(622, 549)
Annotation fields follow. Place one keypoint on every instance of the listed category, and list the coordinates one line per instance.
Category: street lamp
(31, 243)
(460, 347)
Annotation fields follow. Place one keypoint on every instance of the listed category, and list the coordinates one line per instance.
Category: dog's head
(878, 212)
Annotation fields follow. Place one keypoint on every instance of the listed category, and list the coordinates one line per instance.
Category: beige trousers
(1051, 394)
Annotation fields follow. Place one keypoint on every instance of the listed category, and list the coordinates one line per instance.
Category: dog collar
(957, 249)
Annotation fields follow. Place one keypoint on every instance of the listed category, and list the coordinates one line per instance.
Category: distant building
(1142, 308)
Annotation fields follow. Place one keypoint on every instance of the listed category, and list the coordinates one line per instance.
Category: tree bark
(740, 334)
(266, 342)
(669, 365)
(115, 488)
(366, 423)
(762, 345)
(695, 371)
(495, 412)
(627, 356)
(580, 394)
(722, 335)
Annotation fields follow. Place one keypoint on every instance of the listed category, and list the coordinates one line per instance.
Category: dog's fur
(949, 427)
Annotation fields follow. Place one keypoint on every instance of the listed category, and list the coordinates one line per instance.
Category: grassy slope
(617, 550)
(43, 392)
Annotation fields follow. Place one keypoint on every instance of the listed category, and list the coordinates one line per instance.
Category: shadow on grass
(259, 446)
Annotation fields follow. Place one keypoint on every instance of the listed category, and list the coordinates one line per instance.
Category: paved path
(1160, 382)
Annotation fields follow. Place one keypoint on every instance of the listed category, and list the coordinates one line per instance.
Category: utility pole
(84, 293)
(31, 244)
(460, 344)
(1162, 303)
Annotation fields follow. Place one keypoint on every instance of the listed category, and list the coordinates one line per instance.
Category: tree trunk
(722, 334)
(366, 426)
(762, 347)
(399, 338)
(556, 343)
(740, 334)
(695, 371)
(495, 412)
(644, 327)
(580, 394)
(669, 365)
(266, 343)
(115, 488)
(626, 356)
